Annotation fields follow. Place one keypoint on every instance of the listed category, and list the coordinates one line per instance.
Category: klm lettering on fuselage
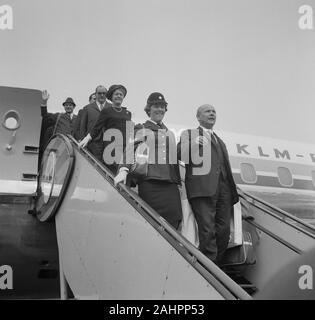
(281, 154)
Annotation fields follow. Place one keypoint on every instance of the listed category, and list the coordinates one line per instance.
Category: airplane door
(19, 139)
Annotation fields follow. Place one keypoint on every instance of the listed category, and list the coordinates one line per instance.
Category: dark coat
(48, 121)
(76, 126)
(62, 121)
(50, 126)
(204, 185)
(110, 119)
(89, 116)
(65, 124)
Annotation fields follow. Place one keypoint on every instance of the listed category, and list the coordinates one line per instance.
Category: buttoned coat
(162, 157)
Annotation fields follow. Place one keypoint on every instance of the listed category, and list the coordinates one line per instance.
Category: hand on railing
(121, 177)
(84, 141)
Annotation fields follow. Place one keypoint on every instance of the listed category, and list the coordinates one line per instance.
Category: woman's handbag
(139, 168)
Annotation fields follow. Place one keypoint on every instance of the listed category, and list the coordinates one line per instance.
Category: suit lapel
(223, 148)
(207, 135)
(164, 127)
(94, 105)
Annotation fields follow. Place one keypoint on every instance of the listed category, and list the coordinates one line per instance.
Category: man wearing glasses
(89, 116)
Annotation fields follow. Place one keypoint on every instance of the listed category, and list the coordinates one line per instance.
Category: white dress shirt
(100, 106)
(210, 132)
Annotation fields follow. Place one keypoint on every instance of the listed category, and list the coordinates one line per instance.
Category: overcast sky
(246, 57)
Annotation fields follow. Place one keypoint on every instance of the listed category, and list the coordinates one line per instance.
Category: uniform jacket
(204, 185)
(163, 164)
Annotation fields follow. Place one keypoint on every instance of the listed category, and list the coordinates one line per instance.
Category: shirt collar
(99, 105)
(69, 115)
(207, 130)
(161, 123)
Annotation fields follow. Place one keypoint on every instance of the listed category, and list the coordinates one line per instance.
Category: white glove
(85, 141)
(121, 177)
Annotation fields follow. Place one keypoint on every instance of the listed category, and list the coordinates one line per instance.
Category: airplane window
(11, 123)
(11, 120)
(248, 173)
(285, 177)
(313, 177)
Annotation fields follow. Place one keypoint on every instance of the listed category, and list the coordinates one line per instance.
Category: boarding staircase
(72, 180)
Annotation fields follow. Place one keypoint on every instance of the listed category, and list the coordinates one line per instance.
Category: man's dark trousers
(213, 215)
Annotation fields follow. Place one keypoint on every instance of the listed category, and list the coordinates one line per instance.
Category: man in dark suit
(89, 116)
(76, 131)
(211, 190)
(76, 127)
(53, 123)
(63, 121)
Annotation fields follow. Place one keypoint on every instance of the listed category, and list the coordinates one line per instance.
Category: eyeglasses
(101, 93)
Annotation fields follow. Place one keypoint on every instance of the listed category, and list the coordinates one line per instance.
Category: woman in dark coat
(159, 188)
(113, 117)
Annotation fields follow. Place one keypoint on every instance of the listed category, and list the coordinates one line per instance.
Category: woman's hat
(113, 88)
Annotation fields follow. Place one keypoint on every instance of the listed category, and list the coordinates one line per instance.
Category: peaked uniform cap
(156, 97)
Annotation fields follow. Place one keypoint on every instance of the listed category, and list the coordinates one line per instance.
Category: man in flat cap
(211, 193)
(53, 123)
(65, 120)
